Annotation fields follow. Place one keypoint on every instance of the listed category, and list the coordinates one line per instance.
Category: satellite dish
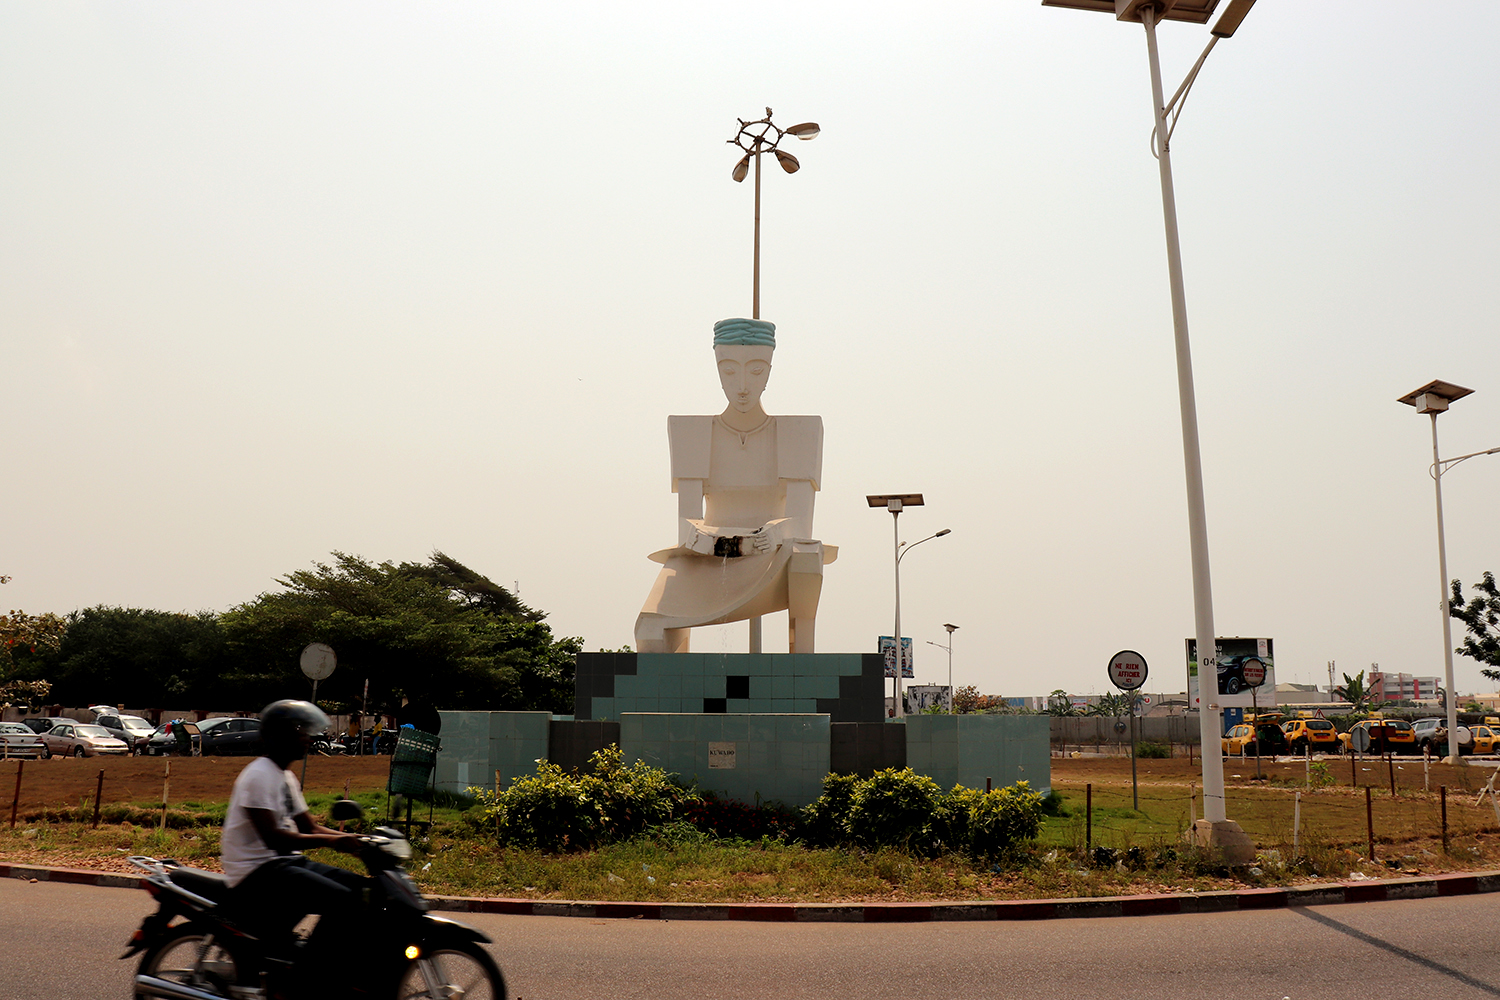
(318, 661)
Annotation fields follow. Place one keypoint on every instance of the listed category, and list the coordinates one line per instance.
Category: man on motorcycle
(266, 828)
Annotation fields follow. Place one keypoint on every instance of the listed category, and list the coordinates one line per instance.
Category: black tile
(625, 664)
(714, 706)
(737, 686)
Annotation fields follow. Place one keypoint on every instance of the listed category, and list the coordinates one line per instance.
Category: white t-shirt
(261, 785)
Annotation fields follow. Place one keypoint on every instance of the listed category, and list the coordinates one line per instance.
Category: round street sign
(1127, 670)
(318, 661)
(1254, 672)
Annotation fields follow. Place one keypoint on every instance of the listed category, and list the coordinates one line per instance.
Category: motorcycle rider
(266, 828)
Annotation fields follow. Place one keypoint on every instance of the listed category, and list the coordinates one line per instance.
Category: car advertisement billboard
(1241, 663)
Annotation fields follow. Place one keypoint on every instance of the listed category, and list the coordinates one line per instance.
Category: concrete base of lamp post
(1225, 838)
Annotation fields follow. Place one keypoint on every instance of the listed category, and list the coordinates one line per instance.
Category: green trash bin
(412, 764)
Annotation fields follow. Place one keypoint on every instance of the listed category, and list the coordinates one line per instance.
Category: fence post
(1443, 798)
(15, 801)
(1353, 777)
(1370, 822)
(1296, 824)
(1390, 763)
(166, 786)
(1088, 800)
(98, 797)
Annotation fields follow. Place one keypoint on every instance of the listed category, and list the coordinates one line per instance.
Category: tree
(1354, 691)
(437, 634)
(141, 657)
(1060, 703)
(1482, 617)
(26, 634)
(1112, 704)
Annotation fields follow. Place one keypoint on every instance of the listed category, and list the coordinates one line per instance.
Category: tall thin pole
(755, 295)
(1203, 605)
(1451, 701)
(950, 673)
(896, 525)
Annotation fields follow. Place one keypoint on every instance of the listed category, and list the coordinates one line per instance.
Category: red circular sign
(1127, 670)
(1254, 672)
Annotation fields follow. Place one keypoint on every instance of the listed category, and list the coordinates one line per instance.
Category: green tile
(735, 727)
(781, 686)
(738, 705)
(783, 664)
(782, 706)
(646, 687)
(762, 729)
(713, 687)
(760, 687)
(759, 706)
(683, 728)
(754, 664)
(669, 686)
(626, 686)
(691, 686)
(604, 708)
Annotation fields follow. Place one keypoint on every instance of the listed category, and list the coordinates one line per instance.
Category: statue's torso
(743, 488)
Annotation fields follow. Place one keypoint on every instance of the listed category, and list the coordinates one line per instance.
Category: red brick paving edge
(1020, 909)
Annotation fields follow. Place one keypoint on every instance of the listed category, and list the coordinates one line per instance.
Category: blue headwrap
(744, 332)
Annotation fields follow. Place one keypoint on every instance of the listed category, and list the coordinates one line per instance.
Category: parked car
(1254, 740)
(81, 739)
(1431, 734)
(229, 736)
(42, 723)
(1316, 735)
(17, 740)
(1486, 739)
(1380, 736)
(163, 741)
(132, 729)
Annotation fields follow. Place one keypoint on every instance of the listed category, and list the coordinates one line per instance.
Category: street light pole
(895, 503)
(951, 629)
(1432, 399)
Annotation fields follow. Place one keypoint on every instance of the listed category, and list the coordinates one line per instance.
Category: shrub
(897, 809)
(555, 810)
(826, 821)
(729, 819)
(1153, 751)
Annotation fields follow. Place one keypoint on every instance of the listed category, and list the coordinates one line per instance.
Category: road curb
(1363, 891)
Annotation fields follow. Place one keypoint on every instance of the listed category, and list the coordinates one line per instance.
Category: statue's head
(743, 349)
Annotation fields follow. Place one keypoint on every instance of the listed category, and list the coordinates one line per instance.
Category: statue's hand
(758, 541)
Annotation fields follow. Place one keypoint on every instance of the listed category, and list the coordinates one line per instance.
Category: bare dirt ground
(1075, 772)
(67, 781)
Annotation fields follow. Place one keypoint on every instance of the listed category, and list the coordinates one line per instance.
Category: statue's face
(743, 372)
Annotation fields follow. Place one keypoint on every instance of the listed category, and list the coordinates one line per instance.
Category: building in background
(1385, 686)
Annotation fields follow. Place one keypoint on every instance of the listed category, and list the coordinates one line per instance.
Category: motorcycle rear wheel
(466, 967)
(188, 957)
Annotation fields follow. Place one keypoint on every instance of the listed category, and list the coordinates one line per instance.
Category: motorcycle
(214, 953)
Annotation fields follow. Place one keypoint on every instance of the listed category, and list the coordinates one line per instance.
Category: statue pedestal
(1225, 838)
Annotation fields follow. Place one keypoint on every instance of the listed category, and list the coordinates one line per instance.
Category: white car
(17, 740)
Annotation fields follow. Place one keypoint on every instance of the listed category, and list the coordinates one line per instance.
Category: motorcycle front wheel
(190, 957)
(464, 970)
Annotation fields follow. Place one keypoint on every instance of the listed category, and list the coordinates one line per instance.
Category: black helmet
(283, 722)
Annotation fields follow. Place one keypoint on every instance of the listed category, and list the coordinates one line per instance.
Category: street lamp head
(951, 628)
(1197, 11)
(741, 169)
(894, 502)
(945, 531)
(807, 130)
(1229, 21)
(788, 161)
(1435, 396)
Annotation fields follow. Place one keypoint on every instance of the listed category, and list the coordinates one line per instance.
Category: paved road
(60, 942)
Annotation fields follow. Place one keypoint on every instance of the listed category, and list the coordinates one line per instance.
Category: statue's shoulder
(799, 448)
(691, 440)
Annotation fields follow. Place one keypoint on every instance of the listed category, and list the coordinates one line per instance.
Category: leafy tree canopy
(1482, 616)
(437, 633)
(137, 656)
(26, 637)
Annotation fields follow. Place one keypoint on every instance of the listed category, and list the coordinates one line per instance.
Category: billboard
(1239, 664)
(888, 647)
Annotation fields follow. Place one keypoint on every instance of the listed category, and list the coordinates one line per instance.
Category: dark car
(41, 723)
(229, 736)
(133, 729)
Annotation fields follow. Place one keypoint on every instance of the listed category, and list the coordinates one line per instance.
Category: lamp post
(949, 648)
(1432, 399)
(1148, 13)
(755, 138)
(895, 503)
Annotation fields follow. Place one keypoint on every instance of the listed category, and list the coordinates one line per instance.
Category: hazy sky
(284, 278)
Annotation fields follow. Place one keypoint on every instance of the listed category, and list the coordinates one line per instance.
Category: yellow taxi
(1486, 740)
(1379, 736)
(1316, 735)
(1252, 739)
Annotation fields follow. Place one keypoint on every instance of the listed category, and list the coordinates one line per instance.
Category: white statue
(745, 483)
